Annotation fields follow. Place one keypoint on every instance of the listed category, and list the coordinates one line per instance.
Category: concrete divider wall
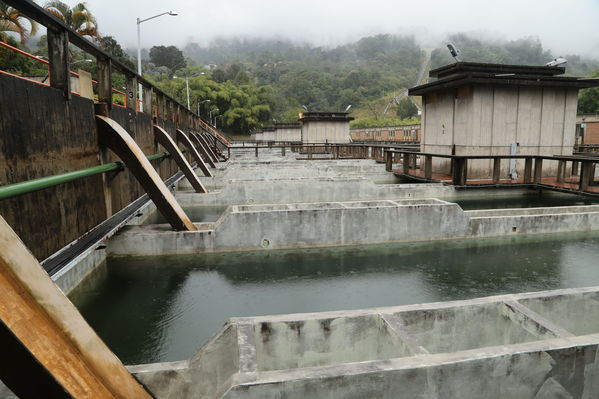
(435, 350)
(297, 225)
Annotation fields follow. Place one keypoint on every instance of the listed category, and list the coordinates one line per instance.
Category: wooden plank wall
(41, 134)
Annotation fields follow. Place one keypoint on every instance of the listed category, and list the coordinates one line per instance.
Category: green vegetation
(12, 21)
(246, 84)
(588, 100)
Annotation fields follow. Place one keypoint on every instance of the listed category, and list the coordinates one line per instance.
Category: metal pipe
(29, 186)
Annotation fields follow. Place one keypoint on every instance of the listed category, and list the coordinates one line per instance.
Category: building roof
(467, 73)
(325, 116)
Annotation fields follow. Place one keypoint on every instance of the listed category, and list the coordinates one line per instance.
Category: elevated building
(493, 109)
(325, 127)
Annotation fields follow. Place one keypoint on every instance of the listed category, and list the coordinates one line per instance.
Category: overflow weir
(139, 234)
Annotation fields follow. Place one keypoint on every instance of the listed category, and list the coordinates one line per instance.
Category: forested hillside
(366, 74)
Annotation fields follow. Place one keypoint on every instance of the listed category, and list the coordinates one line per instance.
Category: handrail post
(496, 169)
(587, 174)
(147, 102)
(131, 97)
(58, 55)
(538, 170)
(528, 170)
(460, 171)
(561, 171)
(104, 85)
(428, 167)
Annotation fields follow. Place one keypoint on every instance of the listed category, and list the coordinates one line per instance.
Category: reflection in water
(535, 199)
(164, 308)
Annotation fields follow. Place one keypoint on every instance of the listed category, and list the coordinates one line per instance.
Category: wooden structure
(494, 109)
(574, 173)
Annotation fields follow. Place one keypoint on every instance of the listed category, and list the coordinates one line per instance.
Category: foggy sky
(565, 27)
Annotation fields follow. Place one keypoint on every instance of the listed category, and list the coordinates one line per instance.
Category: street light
(187, 90)
(139, 22)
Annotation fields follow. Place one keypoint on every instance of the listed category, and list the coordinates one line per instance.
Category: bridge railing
(572, 173)
(59, 36)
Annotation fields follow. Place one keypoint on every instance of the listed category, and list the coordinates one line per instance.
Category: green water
(164, 308)
(533, 200)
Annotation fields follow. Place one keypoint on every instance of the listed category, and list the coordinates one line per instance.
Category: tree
(112, 47)
(78, 18)
(170, 57)
(588, 99)
(11, 20)
(406, 108)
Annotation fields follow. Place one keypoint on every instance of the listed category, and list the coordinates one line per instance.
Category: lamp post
(139, 22)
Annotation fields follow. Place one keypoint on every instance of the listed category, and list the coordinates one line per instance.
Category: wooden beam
(104, 86)
(496, 169)
(182, 137)
(58, 55)
(459, 171)
(169, 144)
(528, 170)
(538, 174)
(112, 135)
(147, 101)
(131, 93)
(428, 167)
(59, 343)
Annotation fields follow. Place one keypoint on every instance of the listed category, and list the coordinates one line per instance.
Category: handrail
(29, 186)
(29, 55)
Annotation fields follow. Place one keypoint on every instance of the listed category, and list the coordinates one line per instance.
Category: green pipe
(29, 186)
(158, 156)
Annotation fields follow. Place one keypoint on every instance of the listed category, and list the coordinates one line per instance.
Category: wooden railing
(59, 37)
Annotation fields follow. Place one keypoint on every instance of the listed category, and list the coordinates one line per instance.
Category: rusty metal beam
(61, 347)
(113, 136)
(167, 142)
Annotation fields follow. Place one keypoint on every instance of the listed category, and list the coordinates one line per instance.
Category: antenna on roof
(454, 52)
(556, 62)
(348, 107)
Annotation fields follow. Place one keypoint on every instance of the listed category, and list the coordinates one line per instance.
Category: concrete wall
(42, 135)
(486, 120)
(288, 134)
(325, 131)
(305, 225)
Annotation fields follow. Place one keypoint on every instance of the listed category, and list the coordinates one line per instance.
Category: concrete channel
(524, 345)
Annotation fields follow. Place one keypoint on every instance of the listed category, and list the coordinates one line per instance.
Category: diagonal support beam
(113, 136)
(204, 141)
(167, 142)
(44, 336)
(182, 137)
(203, 150)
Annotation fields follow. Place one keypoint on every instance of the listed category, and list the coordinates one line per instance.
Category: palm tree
(11, 20)
(78, 18)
